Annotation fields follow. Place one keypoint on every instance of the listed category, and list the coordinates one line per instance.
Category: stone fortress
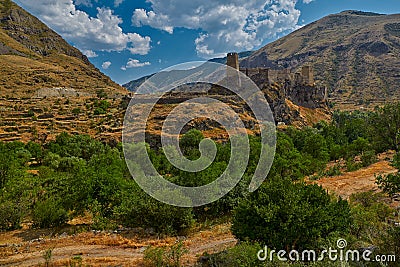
(299, 87)
(305, 77)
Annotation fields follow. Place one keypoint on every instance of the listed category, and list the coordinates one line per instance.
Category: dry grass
(362, 180)
(23, 247)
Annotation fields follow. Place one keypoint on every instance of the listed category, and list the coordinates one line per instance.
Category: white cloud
(84, 2)
(142, 17)
(100, 33)
(89, 53)
(106, 65)
(134, 63)
(307, 1)
(234, 25)
(118, 2)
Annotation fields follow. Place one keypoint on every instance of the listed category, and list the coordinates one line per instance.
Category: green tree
(385, 124)
(189, 143)
(286, 215)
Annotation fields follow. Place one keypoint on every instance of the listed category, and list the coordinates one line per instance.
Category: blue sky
(127, 39)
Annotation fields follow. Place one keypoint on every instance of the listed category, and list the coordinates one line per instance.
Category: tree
(385, 124)
(189, 143)
(286, 215)
(390, 183)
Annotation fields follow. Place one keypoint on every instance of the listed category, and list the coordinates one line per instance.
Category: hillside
(356, 54)
(33, 57)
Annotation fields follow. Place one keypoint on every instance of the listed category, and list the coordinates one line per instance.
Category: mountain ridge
(32, 57)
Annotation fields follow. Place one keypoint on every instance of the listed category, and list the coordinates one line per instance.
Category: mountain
(132, 86)
(242, 55)
(33, 57)
(356, 54)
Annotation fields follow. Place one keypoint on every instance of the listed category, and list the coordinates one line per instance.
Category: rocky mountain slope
(34, 57)
(356, 54)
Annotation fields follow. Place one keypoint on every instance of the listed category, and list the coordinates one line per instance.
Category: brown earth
(26, 247)
(362, 180)
(33, 57)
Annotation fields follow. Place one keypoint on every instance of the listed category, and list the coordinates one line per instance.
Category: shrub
(49, 213)
(76, 111)
(99, 111)
(286, 215)
(101, 93)
(242, 255)
(11, 214)
(368, 158)
(30, 113)
(389, 183)
(165, 257)
(140, 210)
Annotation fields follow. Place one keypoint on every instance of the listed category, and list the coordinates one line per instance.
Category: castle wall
(299, 87)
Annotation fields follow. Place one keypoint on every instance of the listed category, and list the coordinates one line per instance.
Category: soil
(27, 247)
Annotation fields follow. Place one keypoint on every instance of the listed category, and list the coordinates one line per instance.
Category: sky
(128, 39)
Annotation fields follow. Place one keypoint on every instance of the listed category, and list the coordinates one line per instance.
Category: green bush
(99, 111)
(389, 183)
(76, 111)
(11, 214)
(286, 215)
(369, 216)
(165, 257)
(242, 255)
(140, 210)
(49, 213)
(368, 158)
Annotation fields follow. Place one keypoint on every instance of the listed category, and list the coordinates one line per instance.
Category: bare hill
(33, 57)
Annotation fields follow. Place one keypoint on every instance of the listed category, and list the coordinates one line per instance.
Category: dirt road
(103, 249)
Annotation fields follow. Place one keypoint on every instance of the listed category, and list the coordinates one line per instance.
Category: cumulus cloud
(307, 1)
(134, 63)
(89, 53)
(225, 25)
(106, 65)
(100, 33)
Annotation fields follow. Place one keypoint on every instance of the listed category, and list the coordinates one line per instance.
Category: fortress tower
(233, 60)
(308, 75)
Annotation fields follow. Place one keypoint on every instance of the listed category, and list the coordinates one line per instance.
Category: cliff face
(355, 54)
(287, 98)
(32, 57)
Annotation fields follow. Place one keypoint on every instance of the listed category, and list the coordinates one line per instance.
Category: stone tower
(308, 75)
(233, 60)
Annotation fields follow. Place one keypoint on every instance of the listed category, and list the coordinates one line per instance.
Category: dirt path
(358, 181)
(104, 249)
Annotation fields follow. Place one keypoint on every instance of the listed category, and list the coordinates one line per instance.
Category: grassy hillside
(32, 56)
